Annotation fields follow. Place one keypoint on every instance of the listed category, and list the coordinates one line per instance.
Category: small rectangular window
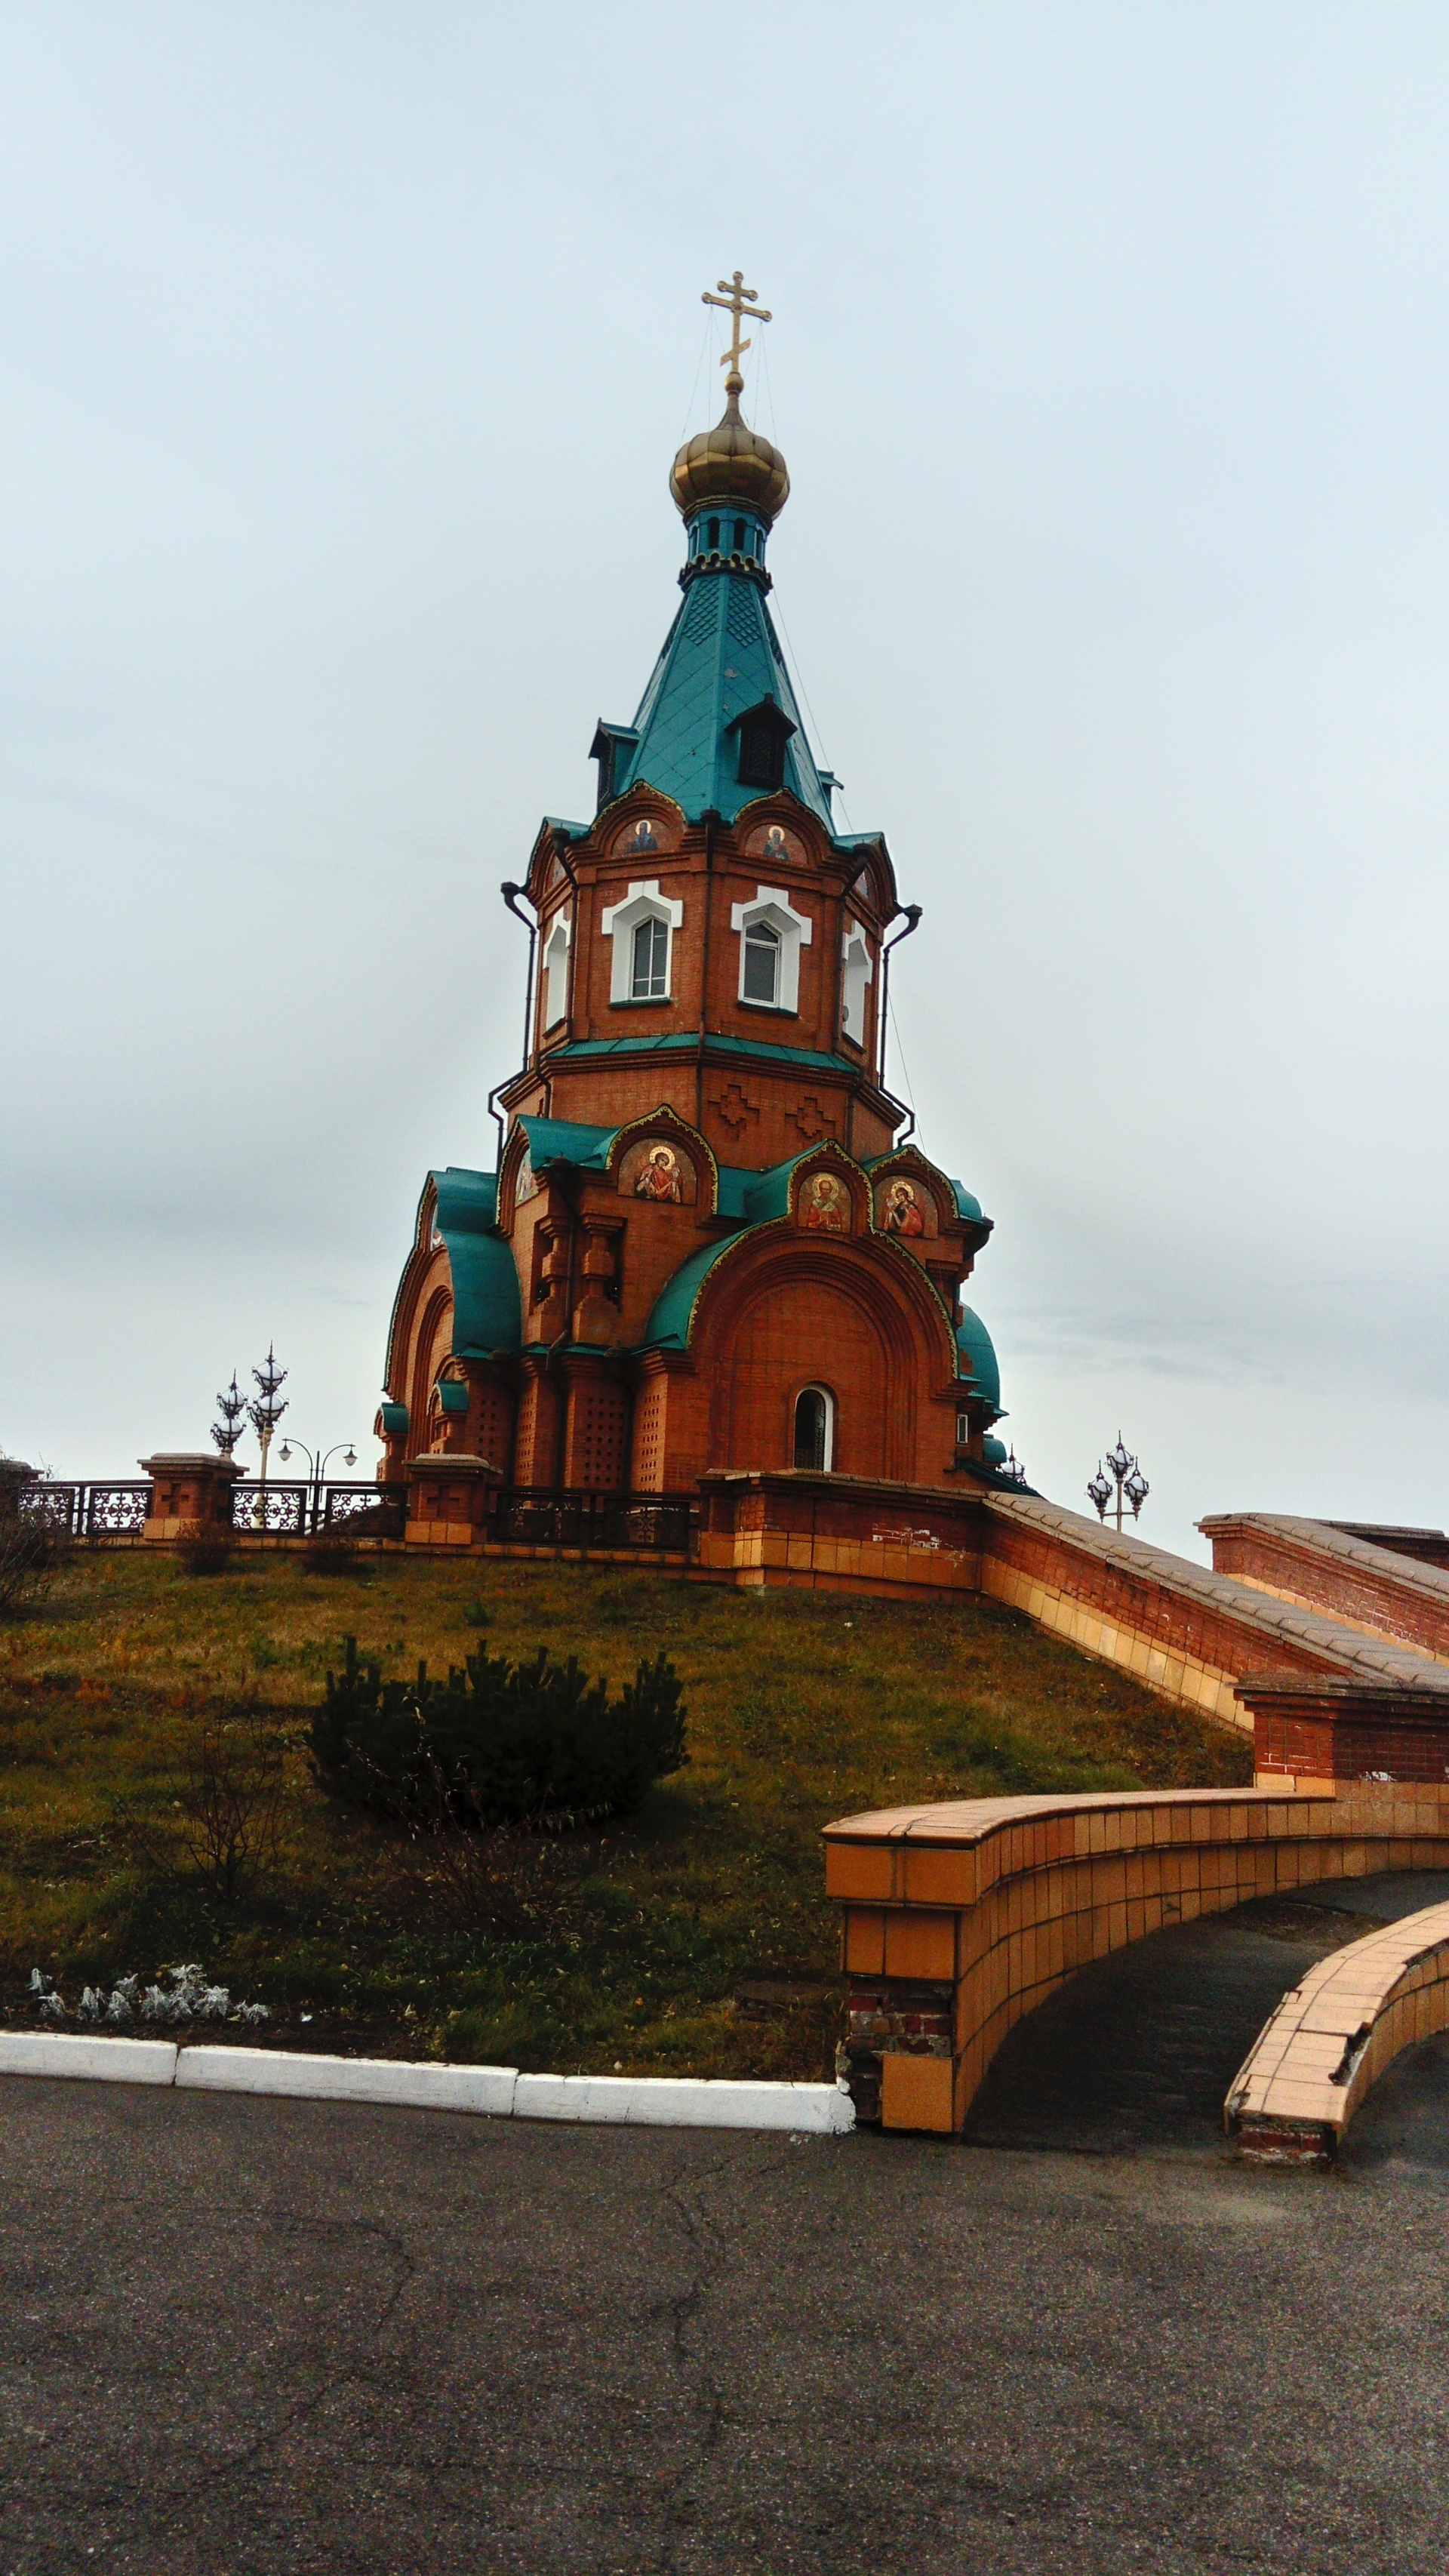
(762, 756)
(649, 981)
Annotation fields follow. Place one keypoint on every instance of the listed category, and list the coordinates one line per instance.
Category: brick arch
(795, 1315)
(431, 1344)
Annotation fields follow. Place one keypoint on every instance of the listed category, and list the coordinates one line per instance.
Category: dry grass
(630, 1946)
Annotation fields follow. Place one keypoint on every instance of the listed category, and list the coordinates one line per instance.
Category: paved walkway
(248, 2337)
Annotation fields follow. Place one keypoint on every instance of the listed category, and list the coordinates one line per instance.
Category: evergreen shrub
(498, 1743)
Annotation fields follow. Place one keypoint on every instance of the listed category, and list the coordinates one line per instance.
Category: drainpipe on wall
(710, 821)
(912, 912)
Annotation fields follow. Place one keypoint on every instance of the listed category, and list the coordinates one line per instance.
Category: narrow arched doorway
(815, 1429)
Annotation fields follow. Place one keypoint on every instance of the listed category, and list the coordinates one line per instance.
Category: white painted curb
(499, 2092)
(101, 2061)
(347, 2079)
(684, 2102)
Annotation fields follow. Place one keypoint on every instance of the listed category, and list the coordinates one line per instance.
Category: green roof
(721, 657)
(676, 1041)
(487, 1312)
(967, 1202)
(563, 1140)
(673, 1309)
(979, 1357)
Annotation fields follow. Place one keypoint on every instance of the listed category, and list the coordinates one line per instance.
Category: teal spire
(718, 724)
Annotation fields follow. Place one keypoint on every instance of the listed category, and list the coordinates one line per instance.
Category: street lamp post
(316, 1467)
(233, 1407)
(1131, 1486)
(264, 1413)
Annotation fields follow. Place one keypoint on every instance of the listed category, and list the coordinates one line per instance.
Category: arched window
(556, 972)
(762, 963)
(815, 1429)
(649, 976)
(856, 972)
(739, 536)
(641, 929)
(714, 536)
(771, 935)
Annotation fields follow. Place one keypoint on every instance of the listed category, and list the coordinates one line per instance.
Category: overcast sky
(346, 348)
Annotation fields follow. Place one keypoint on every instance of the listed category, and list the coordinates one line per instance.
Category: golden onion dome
(730, 462)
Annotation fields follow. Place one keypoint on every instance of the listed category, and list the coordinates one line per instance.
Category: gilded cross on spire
(736, 299)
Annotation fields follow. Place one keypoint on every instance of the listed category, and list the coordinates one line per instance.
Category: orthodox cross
(734, 300)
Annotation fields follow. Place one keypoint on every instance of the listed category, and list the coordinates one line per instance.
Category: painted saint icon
(902, 1215)
(777, 845)
(825, 1207)
(641, 839)
(659, 1177)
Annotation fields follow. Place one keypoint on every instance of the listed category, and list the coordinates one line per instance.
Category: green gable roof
(487, 1312)
(721, 657)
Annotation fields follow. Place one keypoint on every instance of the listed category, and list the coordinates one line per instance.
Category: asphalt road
(249, 2337)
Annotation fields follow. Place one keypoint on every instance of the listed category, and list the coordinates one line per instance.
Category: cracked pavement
(257, 2336)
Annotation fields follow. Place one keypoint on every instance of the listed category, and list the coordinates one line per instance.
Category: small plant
(509, 1743)
(185, 1996)
(232, 1799)
(204, 1547)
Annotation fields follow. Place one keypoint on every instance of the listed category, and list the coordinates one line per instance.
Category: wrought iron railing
(543, 1516)
(85, 1511)
(364, 1511)
(271, 1510)
(113, 1511)
(520, 1515)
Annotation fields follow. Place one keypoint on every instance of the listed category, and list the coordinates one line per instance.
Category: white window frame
(855, 981)
(556, 968)
(796, 930)
(619, 921)
(814, 1387)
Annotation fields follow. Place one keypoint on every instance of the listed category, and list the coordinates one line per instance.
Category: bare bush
(35, 1539)
(505, 1880)
(204, 1547)
(330, 1552)
(231, 1803)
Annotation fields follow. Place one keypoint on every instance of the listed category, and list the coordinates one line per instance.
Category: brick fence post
(188, 1488)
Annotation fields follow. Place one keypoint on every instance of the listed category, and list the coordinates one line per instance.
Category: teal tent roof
(721, 657)
(967, 1202)
(564, 1140)
(979, 1357)
(487, 1313)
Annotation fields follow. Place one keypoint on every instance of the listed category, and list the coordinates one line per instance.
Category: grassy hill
(629, 1946)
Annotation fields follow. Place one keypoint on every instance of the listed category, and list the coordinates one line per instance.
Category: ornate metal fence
(59, 1507)
(114, 1511)
(542, 1516)
(364, 1511)
(85, 1511)
(526, 1515)
(270, 1511)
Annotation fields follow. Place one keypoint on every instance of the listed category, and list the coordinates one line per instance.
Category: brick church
(711, 1239)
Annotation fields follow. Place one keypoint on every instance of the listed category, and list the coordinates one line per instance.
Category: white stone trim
(619, 921)
(796, 929)
(854, 985)
(555, 955)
